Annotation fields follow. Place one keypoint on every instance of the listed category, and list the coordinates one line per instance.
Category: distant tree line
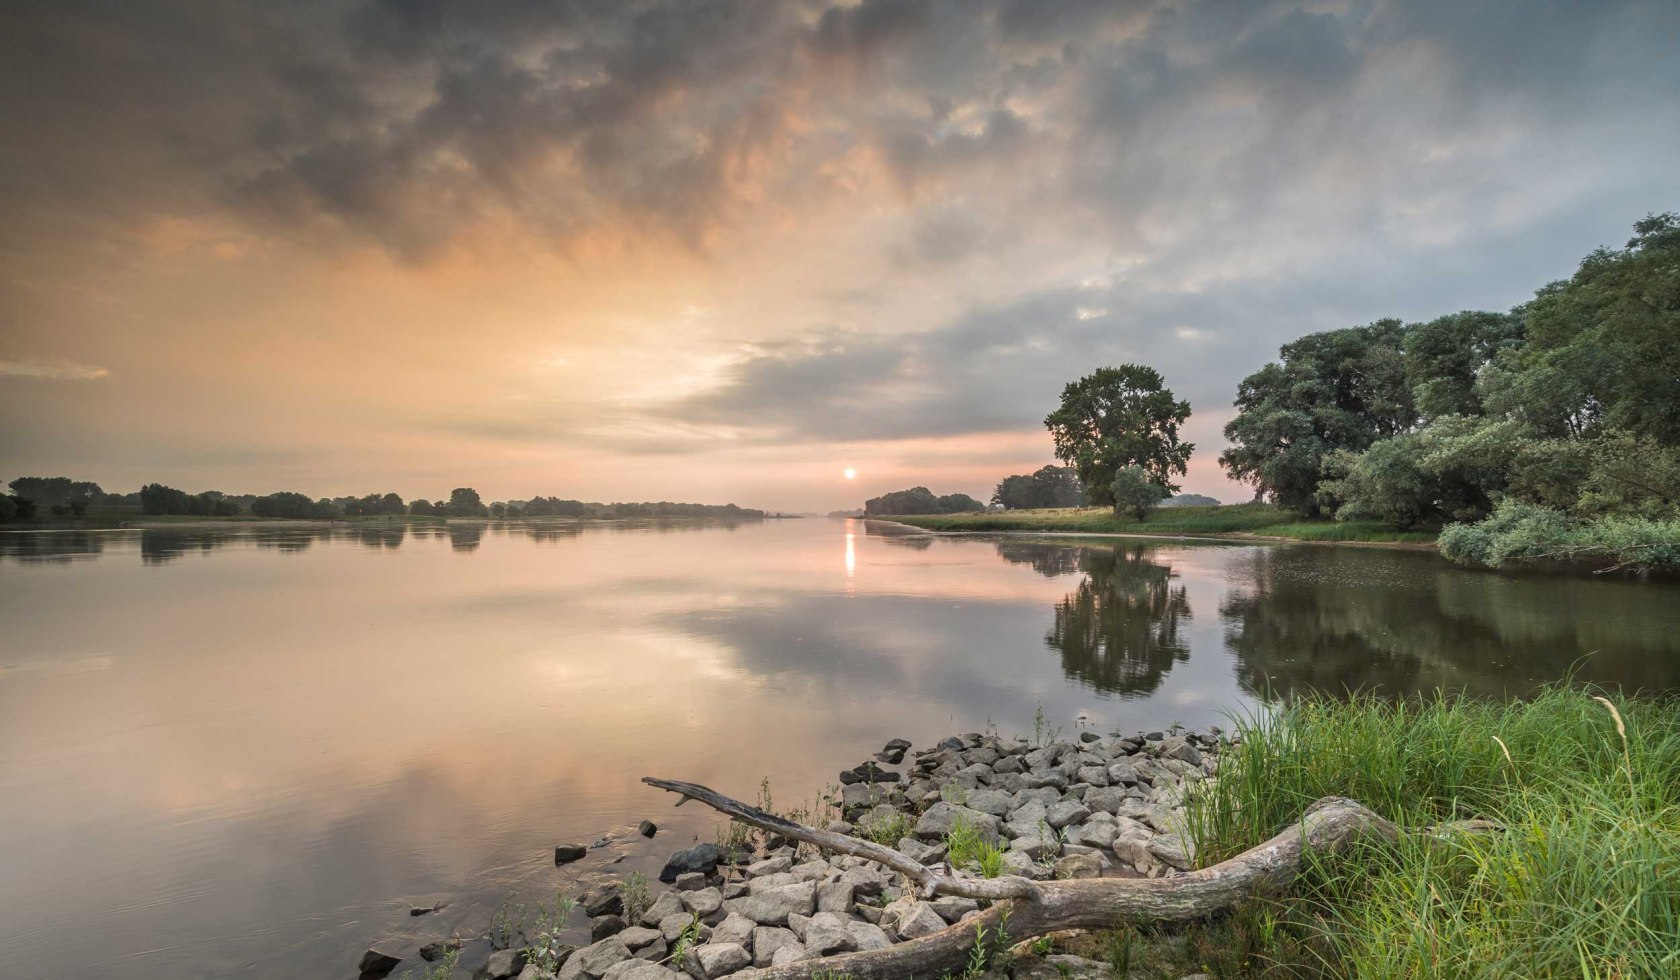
(1549, 431)
(919, 500)
(35, 498)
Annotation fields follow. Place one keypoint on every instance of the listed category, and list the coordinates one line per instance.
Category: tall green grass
(1584, 881)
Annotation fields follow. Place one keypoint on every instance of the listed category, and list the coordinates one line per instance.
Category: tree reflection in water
(1119, 629)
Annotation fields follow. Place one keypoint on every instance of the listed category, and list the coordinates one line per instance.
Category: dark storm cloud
(1254, 170)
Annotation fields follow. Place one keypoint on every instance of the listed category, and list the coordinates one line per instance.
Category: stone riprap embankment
(1085, 807)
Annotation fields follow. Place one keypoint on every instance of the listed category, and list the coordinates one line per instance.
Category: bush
(1526, 533)
(1133, 491)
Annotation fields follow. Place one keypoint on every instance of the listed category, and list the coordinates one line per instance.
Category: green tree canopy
(1118, 417)
(1050, 486)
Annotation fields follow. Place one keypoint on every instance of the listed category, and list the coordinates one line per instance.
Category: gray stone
(953, 907)
(703, 902)
(691, 881)
(778, 880)
(834, 896)
(639, 937)
(861, 795)
(1060, 814)
(1079, 866)
(603, 926)
(504, 963)
(766, 940)
(769, 866)
(665, 905)
(532, 973)
(604, 899)
(1047, 778)
(792, 953)
(647, 828)
(921, 853)
(811, 870)
(942, 817)
(639, 970)
(911, 919)
(1092, 834)
(700, 857)
(771, 906)
(865, 880)
(1174, 851)
(566, 854)
(992, 801)
(827, 934)
(1018, 863)
(1180, 748)
(594, 960)
(1036, 848)
(1122, 774)
(672, 927)
(1092, 775)
(866, 935)
(718, 959)
(734, 929)
(1104, 799)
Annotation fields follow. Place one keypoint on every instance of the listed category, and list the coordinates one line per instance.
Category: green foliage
(444, 969)
(686, 941)
(886, 829)
(1261, 520)
(1050, 486)
(1119, 417)
(1519, 532)
(1385, 483)
(1344, 389)
(507, 922)
(1580, 882)
(919, 500)
(635, 896)
(1133, 492)
(1444, 357)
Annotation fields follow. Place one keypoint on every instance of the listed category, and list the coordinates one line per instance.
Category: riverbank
(1576, 876)
(1249, 522)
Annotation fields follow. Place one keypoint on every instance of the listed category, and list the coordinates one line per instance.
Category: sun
(850, 473)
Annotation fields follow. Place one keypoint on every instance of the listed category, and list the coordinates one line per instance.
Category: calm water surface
(247, 753)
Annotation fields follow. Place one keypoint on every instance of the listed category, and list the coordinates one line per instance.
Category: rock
(532, 973)
(377, 962)
(815, 870)
(777, 880)
(861, 795)
(911, 919)
(638, 970)
(1092, 775)
(474, 955)
(954, 907)
(1009, 764)
(827, 934)
(594, 960)
(717, 959)
(1180, 748)
(1064, 812)
(771, 906)
(1048, 777)
(921, 853)
(769, 866)
(735, 889)
(866, 880)
(791, 953)
(1093, 834)
(567, 853)
(504, 963)
(700, 857)
(1079, 866)
(603, 926)
(604, 899)
(1061, 966)
(942, 816)
(1089, 737)
(1036, 848)
(834, 896)
(735, 929)
(1174, 851)
(639, 937)
(692, 881)
(766, 940)
(1018, 863)
(992, 801)
(667, 904)
(672, 927)
(869, 772)
(419, 910)
(434, 951)
(647, 828)
(1104, 799)
(867, 935)
(840, 827)
(952, 744)
(703, 902)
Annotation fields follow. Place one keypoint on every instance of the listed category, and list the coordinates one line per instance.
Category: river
(247, 752)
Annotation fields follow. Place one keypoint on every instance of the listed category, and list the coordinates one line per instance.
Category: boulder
(769, 866)
(719, 959)
(603, 899)
(1104, 799)
(827, 934)
(954, 907)
(703, 902)
(735, 929)
(504, 963)
(603, 926)
(692, 881)
(672, 927)
(647, 828)
(771, 906)
(667, 904)
(921, 853)
(1079, 866)
(766, 940)
(640, 937)
(992, 801)
(942, 817)
(867, 935)
(1064, 812)
(834, 896)
(792, 953)
(567, 853)
(595, 959)
(1092, 775)
(911, 919)
(377, 962)
(1180, 748)
(434, 951)
(701, 857)
(639, 970)
(1173, 850)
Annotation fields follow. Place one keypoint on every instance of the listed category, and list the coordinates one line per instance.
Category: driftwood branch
(1035, 908)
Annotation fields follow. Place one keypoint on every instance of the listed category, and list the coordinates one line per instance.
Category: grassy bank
(1247, 520)
(1584, 883)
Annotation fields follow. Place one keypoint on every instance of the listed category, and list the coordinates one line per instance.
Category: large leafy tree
(1118, 417)
(1050, 486)
(1343, 389)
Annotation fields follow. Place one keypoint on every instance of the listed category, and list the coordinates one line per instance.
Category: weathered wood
(1327, 827)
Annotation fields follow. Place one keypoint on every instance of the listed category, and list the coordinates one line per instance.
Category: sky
(720, 251)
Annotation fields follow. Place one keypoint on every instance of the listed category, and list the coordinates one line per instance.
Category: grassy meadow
(1583, 881)
(1253, 519)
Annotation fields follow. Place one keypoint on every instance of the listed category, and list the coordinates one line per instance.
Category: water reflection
(1119, 629)
(66, 546)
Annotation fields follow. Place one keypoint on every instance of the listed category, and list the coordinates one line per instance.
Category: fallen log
(1033, 908)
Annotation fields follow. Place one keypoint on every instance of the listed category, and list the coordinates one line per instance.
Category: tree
(919, 500)
(1118, 417)
(1133, 490)
(464, 502)
(1050, 486)
(421, 506)
(1444, 357)
(1343, 389)
(391, 504)
(155, 498)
